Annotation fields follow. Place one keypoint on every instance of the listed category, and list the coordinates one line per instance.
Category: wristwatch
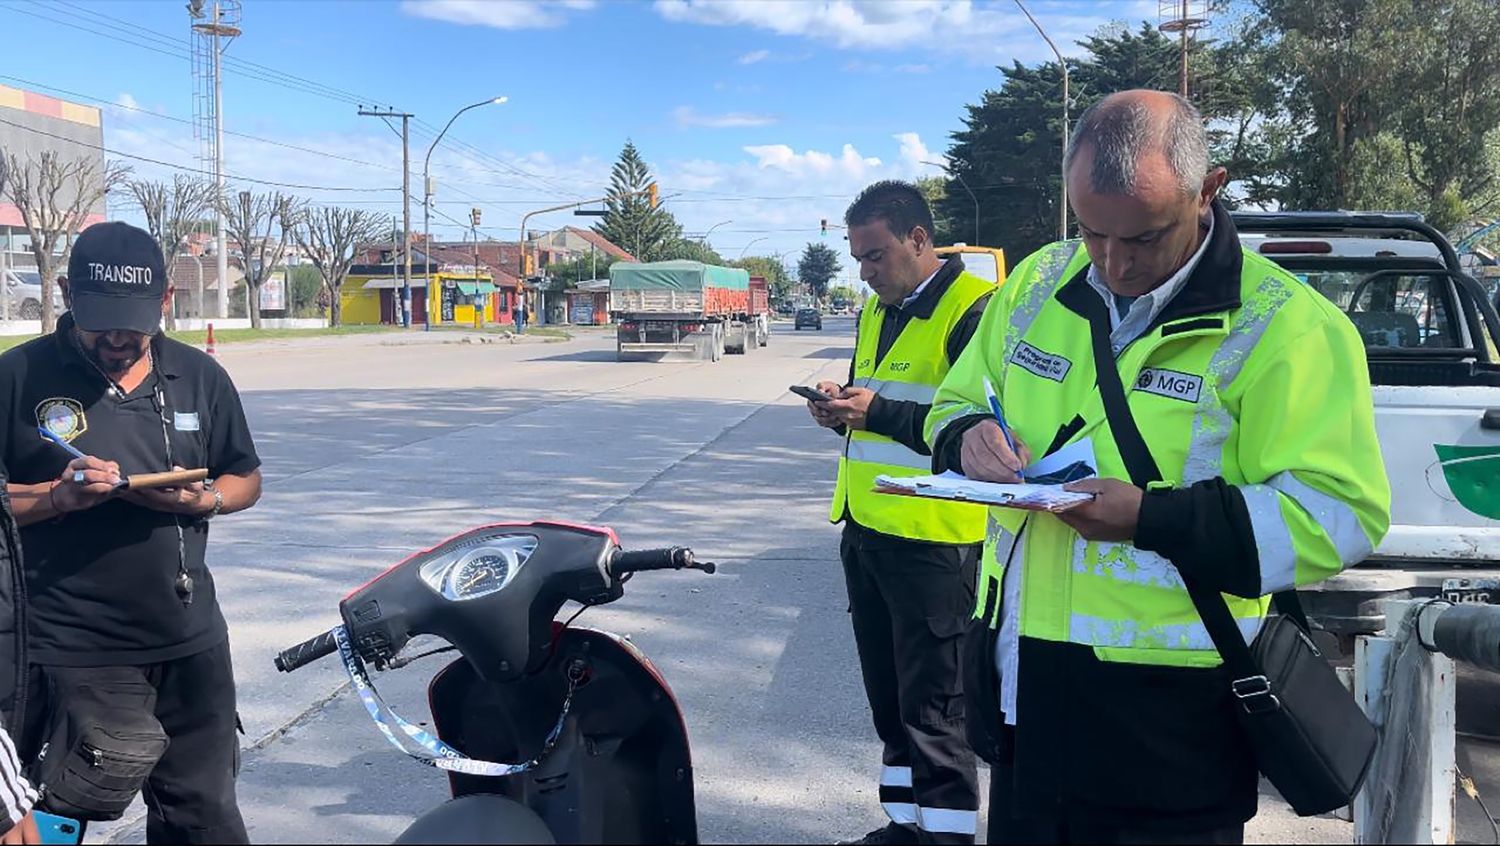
(218, 503)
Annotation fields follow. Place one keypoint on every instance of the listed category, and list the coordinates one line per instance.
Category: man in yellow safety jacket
(1102, 703)
(909, 564)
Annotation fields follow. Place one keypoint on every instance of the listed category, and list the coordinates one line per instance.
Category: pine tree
(629, 219)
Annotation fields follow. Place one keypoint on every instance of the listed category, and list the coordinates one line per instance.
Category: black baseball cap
(116, 279)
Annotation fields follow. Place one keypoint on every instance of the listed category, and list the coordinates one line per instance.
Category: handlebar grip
(666, 558)
(307, 652)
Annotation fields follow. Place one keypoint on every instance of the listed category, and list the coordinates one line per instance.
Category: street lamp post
(427, 199)
(948, 170)
(1062, 225)
(704, 240)
(751, 244)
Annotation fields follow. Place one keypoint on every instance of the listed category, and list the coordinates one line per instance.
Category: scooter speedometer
(479, 570)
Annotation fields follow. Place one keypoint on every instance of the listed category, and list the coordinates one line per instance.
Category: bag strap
(1139, 463)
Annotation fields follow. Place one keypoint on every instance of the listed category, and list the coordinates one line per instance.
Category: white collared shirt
(912, 297)
(1132, 324)
(1126, 328)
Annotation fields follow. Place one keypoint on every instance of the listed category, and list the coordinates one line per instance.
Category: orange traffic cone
(208, 346)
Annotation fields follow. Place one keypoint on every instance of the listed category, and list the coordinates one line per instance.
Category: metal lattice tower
(1183, 18)
(214, 26)
(212, 31)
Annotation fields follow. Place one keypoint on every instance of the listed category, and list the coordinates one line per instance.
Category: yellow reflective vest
(911, 370)
(1268, 390)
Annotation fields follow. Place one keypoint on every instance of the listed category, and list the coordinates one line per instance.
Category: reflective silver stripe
(1096, 631)
(901, 391)
(895, 776)
(951, 412)
(946, 821)
(887, 452)
(1211, 422)
(903, 813)
(1125, 563)
(1273, 540)
(1049, 275)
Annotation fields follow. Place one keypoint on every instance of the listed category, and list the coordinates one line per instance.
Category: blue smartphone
(55, 829)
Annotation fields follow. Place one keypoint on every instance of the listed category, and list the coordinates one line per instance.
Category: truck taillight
(689, 328)
(629, 327)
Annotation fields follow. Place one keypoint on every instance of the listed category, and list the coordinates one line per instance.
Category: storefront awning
(388, 282)
(474, 288)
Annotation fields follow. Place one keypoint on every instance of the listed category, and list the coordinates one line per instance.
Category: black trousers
(190, 795)
(1008, 828)
(909, 602)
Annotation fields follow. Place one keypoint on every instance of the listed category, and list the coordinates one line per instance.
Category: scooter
(599, 742)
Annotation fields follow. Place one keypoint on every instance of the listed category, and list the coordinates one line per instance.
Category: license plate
(1472, 591)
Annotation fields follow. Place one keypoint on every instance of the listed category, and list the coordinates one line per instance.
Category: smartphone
(811, 393)
(56, 829)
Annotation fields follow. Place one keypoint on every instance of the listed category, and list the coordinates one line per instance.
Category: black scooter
(600, 740)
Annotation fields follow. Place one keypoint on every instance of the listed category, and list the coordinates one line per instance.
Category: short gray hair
(1122, 130)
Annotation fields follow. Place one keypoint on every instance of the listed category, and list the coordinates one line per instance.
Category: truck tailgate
(1444, 468)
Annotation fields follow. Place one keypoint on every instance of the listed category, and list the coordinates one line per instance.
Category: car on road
(810, 317)
(24, 290)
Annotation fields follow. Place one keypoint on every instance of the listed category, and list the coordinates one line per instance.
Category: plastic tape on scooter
(443, 756)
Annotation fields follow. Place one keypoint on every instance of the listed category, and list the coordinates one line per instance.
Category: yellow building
(371, 295)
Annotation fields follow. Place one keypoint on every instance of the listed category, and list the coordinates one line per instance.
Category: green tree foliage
(935, 190)
(629, 220)
(689, 249)
(771, 268)
(567, 274)
(303, 289)
(818, 266)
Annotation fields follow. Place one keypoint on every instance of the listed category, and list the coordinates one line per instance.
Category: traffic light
(824, 226)
(651, 192)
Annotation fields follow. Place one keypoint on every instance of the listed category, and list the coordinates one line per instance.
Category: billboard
(273, 292)
(32, 124)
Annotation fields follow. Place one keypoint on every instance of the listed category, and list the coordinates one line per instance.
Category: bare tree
(330, 236)
(258, 224)
(54, 197)
(172, 212)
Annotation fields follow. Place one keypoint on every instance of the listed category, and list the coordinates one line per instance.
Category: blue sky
(736, 104)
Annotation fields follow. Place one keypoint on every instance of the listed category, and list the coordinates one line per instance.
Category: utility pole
(478, 303)
(405, 204)
(214, 36)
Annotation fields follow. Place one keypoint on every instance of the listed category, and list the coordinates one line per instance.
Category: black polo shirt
(101, 581)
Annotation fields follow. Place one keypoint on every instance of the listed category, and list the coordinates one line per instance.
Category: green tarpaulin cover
(472, 288)
(676, 276)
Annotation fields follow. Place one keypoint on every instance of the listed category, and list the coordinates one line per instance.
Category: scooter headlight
(481, 569)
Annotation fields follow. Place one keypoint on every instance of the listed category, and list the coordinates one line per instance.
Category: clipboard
(955, 488)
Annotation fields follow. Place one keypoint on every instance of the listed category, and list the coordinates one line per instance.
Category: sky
(759, 117)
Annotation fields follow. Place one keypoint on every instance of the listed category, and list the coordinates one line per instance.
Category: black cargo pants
(190, 795)
(910, 602)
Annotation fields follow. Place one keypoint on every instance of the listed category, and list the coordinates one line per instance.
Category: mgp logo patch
(1171, 384)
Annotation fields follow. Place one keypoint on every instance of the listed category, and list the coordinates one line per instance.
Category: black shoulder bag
(1311, 739)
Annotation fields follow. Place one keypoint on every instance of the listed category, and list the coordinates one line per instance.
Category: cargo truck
(687, 307)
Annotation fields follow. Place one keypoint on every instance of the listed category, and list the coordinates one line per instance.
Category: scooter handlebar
(307, 652)
(666, 558)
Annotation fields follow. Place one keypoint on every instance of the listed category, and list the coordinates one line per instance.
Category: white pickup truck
(1431, 336)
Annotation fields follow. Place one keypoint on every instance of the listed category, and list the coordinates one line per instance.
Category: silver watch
(218, 504)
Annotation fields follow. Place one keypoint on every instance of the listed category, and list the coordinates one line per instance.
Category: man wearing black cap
(122, 606)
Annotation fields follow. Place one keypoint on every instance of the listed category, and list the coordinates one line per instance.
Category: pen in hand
(78, 477)
(989, 394)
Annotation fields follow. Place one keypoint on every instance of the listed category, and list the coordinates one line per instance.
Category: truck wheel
(31, 310)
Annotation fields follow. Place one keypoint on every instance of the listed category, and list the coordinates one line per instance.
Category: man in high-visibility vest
(909, 564)
(1096, 691)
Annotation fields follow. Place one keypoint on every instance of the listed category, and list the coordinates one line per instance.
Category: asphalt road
(374, 448)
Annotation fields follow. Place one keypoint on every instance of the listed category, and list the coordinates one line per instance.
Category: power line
(198, 171)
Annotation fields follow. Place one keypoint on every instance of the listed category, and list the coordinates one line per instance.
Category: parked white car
(24, 288)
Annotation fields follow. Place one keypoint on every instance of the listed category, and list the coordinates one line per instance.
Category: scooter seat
(478, 818)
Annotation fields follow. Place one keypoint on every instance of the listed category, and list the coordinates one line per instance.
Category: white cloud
(914, 152)
(127, 101)
(990, 31)
(754, 56)
(813, 162)
(687, 116)
(510, 14)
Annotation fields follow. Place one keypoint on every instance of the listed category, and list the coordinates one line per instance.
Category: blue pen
(989, 394)
(56, 439)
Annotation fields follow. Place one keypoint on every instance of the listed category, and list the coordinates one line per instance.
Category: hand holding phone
(55, 829)
(812, 394)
